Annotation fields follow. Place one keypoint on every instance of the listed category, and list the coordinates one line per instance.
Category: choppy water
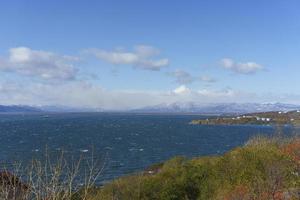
(130, 142)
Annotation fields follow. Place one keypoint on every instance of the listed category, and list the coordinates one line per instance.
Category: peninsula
(262, 118)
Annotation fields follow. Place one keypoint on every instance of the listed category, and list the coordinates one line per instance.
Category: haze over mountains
(18, 109)
(178, 107)
(218, 108)
(39, 109)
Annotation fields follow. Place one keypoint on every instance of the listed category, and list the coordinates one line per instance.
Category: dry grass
(277, 140)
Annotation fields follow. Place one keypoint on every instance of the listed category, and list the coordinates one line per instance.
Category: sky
(130, 54)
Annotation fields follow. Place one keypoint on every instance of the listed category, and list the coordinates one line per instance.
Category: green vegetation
(263, 169)
(264, 118)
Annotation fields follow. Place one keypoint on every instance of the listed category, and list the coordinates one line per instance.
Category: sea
(124, 143)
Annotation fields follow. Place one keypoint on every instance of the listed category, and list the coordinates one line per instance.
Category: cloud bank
(82, 94)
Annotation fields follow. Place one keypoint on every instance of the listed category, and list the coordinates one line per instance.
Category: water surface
(129, 142)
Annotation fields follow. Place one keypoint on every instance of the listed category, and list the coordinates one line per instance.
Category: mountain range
(218, 108)
(178, 107)
(18, 109)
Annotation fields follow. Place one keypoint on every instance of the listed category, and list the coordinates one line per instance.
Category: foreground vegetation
(263, 169)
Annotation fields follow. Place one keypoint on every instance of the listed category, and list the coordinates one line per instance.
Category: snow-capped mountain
(178, 107)
(217, 108)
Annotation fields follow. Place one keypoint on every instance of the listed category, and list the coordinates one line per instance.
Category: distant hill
(221, 108)
(178, 107)
(18, 109)
(262, 118)
(32, 109)
(67, 109)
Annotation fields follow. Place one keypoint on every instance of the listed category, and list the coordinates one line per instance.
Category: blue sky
(125, 54)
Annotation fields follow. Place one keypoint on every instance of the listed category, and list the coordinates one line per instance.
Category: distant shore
(263, 118)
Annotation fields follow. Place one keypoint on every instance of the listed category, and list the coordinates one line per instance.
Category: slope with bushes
(263, 169)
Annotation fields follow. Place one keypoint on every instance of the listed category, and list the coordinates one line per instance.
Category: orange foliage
(238, 193)
(279, 196)
(293, 150)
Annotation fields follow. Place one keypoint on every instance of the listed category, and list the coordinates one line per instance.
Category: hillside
(263, 169)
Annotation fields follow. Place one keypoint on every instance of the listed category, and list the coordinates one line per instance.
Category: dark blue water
(129, 142)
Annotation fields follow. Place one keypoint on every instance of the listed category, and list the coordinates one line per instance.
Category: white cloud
(217, 94)
(42, 64)
(181, 90)
(239, 67)
(143, 57)
(183, 77)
